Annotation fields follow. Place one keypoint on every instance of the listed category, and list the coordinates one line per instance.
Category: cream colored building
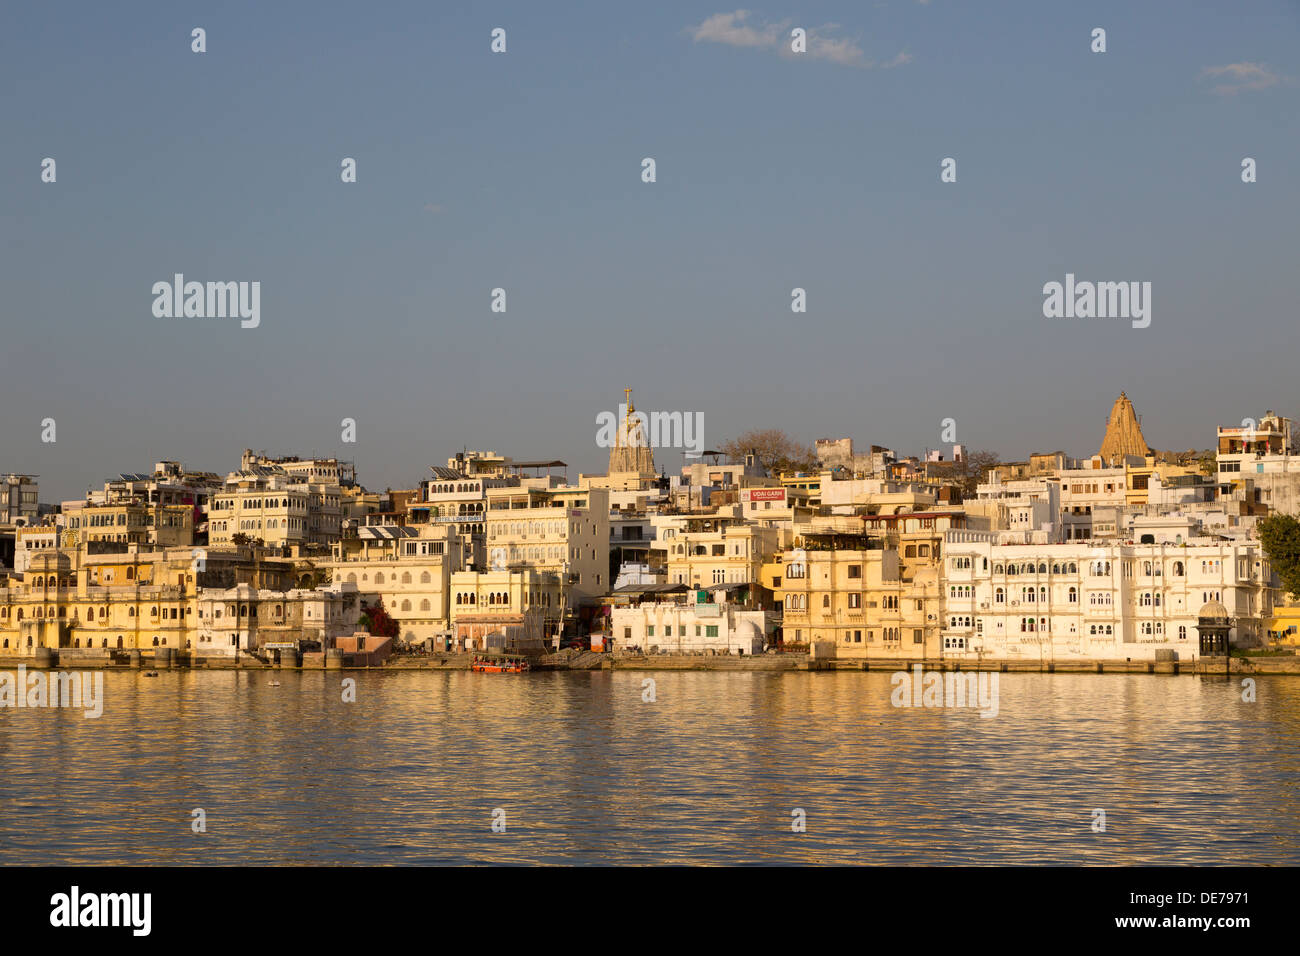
(244, 618)
(277, 508)
(718, 548)
(1106, 601)
(409, 569)
(563, 531)
(523, 604)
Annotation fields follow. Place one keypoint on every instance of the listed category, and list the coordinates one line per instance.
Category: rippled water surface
(586, 772)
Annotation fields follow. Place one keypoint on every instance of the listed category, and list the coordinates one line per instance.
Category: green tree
(1280, 536)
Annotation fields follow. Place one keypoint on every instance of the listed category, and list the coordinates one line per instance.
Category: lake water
(710, 772)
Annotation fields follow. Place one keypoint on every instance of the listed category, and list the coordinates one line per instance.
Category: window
(855, 601)
(855, 570)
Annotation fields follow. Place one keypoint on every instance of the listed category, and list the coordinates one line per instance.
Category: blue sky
(522, 170)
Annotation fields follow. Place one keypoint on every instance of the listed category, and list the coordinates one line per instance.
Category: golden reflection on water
(709, 773)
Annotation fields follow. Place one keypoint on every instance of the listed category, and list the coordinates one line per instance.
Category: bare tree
(975, 470)
(776, 450)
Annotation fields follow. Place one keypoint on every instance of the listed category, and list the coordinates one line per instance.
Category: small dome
(1214, 610)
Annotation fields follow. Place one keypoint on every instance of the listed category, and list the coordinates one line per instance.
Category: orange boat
(482, 665)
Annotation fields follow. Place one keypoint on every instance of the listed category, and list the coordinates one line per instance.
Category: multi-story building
(325, 471)
(132, 521)
(458, 500)
(244, 618)
(688, 626)
(845, 587)
(18, 494)
(117, 596)
(523, 605)
(31, 540)
(718, 548)
(563, 531)
(1086, 490)
(1102, 602)
(409, 570)
(278, 508)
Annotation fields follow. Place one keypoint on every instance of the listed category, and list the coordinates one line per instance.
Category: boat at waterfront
(500, 665)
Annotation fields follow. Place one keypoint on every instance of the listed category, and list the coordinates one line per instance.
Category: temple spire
(1123, 433)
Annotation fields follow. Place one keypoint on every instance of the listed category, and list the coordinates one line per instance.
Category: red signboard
(766, 494)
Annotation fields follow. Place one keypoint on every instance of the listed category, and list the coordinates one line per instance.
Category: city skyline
(479, 170)
(667, 460)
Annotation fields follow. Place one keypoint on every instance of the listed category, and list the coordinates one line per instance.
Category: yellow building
(1284, 626)
(124, 600)
(134, 522)
(721, 548)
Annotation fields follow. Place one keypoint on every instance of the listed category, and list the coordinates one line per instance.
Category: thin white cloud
(741, 29)
(731, 29)
(1241, 77)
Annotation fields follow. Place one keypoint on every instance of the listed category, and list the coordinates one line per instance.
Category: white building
(244, 618)
(687, 628)
(1105, 602)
